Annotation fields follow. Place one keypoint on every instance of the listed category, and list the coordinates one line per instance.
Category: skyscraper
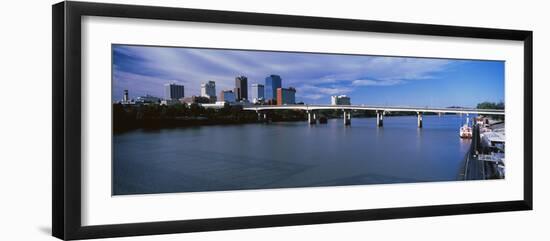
(173, 91)
(208, 90)
(241, 88)
(257, 93)
(286, 96)
(272, 83)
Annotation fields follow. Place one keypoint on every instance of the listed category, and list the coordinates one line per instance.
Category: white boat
(466, 130)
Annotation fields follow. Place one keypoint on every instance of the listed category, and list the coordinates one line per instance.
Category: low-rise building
(217, 105)
(126, 99)
(195, 99)
(169, 102)
(147, 99)
(340, 100)
(227, 96)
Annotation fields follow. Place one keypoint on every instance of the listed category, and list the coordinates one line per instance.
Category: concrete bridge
(312, 111)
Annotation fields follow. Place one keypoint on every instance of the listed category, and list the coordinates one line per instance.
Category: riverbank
(480, 162)
(473, 168)
(131, 117)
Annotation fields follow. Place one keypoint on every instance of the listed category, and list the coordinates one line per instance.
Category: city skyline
(374, 80)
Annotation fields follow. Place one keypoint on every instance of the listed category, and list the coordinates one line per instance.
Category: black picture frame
(66, 158)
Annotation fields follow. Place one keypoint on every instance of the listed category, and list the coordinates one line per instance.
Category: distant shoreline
(159, 124)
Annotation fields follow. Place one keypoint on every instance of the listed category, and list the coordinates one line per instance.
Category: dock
(474, 168)
(480, 162)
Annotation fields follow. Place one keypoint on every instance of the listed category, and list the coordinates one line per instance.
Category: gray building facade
(173, 91)
(257, 94)
(208, 89)
(241, 88)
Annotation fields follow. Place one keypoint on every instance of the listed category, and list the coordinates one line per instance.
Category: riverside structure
(312, 110)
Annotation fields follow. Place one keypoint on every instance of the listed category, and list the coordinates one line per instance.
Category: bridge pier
(260, 116)
(379, 119)
(313, 111)
(347, 118)
(311, 118)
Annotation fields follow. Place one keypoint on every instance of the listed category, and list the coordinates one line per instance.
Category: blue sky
(371, 80)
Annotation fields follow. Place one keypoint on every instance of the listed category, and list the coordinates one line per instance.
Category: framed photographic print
(170, 120)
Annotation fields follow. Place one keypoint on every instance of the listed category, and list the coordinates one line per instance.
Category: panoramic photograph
(188, 119)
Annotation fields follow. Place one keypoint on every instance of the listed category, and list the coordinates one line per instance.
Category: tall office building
(241, 88)
(227, 96)
(125, 98)
(208, 89)
(257, 93)
(272, 83)
(340, 100)
(286, 96)
(173, 91)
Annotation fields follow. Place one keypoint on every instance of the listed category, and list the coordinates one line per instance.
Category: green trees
(127, 117)
(287, 115)
(195, 109)
(491, 105)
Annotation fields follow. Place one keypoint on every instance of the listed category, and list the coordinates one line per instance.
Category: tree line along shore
(154, 116)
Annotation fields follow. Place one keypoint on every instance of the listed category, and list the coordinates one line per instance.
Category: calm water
(283, 155)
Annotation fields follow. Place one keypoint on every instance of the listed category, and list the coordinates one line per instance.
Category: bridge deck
(376, 108)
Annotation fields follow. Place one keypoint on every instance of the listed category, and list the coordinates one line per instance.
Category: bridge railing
(376, 108)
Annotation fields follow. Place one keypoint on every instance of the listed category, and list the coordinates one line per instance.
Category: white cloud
(368, 82)
(309, 73)
(313, 92)
(313, 96)
(388, 68)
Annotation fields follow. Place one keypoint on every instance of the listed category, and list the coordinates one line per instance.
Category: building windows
(227, 96)
(258, 93)
(340, 100)
(272, 83)
(286, 96)
(241, 88)
(173, 91)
